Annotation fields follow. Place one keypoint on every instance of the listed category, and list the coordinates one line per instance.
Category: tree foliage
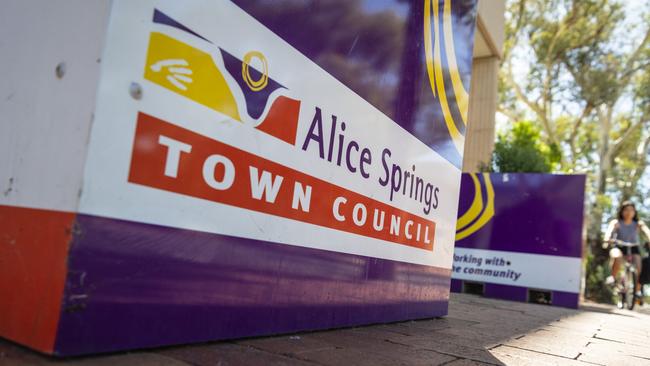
(580, 70)
(522, 150)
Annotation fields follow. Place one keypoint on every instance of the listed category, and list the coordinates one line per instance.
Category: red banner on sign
(175, 159)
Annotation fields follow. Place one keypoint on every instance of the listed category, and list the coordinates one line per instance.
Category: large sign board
(261, 167)
(519, 232)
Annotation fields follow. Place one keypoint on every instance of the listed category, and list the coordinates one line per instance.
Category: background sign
(521, 231)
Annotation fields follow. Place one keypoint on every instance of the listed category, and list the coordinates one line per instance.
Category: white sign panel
(518, 269)
(228, 129)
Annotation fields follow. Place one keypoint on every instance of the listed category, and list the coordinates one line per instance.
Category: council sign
(257, 167)
(520, 234)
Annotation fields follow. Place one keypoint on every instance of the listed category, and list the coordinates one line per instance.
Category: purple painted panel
(456, 285)
(506, 292)
(533, 213)
(133, 285)
(565, 299)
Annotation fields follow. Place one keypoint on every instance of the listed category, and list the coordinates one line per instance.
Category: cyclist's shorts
(628, 250)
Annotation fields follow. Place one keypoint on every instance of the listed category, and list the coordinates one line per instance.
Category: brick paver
(477, 331)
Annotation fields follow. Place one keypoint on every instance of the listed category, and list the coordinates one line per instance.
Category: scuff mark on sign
(10, 188)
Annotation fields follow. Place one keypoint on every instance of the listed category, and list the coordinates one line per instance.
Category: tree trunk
(599, 256)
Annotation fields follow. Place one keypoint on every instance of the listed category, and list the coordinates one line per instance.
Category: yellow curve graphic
(475, 208)
(428, 51)
(436, 75)
(189, 72)
(462, 98)
(486, 215)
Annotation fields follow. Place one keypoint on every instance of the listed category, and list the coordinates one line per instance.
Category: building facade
(488, 45)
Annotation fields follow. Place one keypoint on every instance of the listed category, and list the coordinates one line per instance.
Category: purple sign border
(133, 285)
(516, 293)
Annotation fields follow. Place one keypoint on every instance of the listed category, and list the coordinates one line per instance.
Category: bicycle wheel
(630, 287)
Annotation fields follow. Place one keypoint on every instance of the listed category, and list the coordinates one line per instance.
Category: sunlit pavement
(478, 331)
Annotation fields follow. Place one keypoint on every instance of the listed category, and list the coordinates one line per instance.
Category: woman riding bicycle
(625, 228)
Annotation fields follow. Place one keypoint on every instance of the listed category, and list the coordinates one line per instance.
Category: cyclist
(625, 227)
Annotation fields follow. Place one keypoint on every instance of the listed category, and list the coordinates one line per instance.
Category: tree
(582, 72)
(521, 150)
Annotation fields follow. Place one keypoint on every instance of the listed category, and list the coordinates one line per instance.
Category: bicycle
(627, 287)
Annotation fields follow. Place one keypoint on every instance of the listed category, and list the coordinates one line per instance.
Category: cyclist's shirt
(628, 233)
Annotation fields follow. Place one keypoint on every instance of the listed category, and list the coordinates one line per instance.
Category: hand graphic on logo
(178, 72)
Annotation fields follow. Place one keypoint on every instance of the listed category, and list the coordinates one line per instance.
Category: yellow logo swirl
(435, 69)
(480, 211)
(255, 85)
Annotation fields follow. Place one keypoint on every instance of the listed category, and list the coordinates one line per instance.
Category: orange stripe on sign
(175, 159)
(33, 249)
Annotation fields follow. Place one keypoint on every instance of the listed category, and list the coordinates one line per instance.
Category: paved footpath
(478, 331)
